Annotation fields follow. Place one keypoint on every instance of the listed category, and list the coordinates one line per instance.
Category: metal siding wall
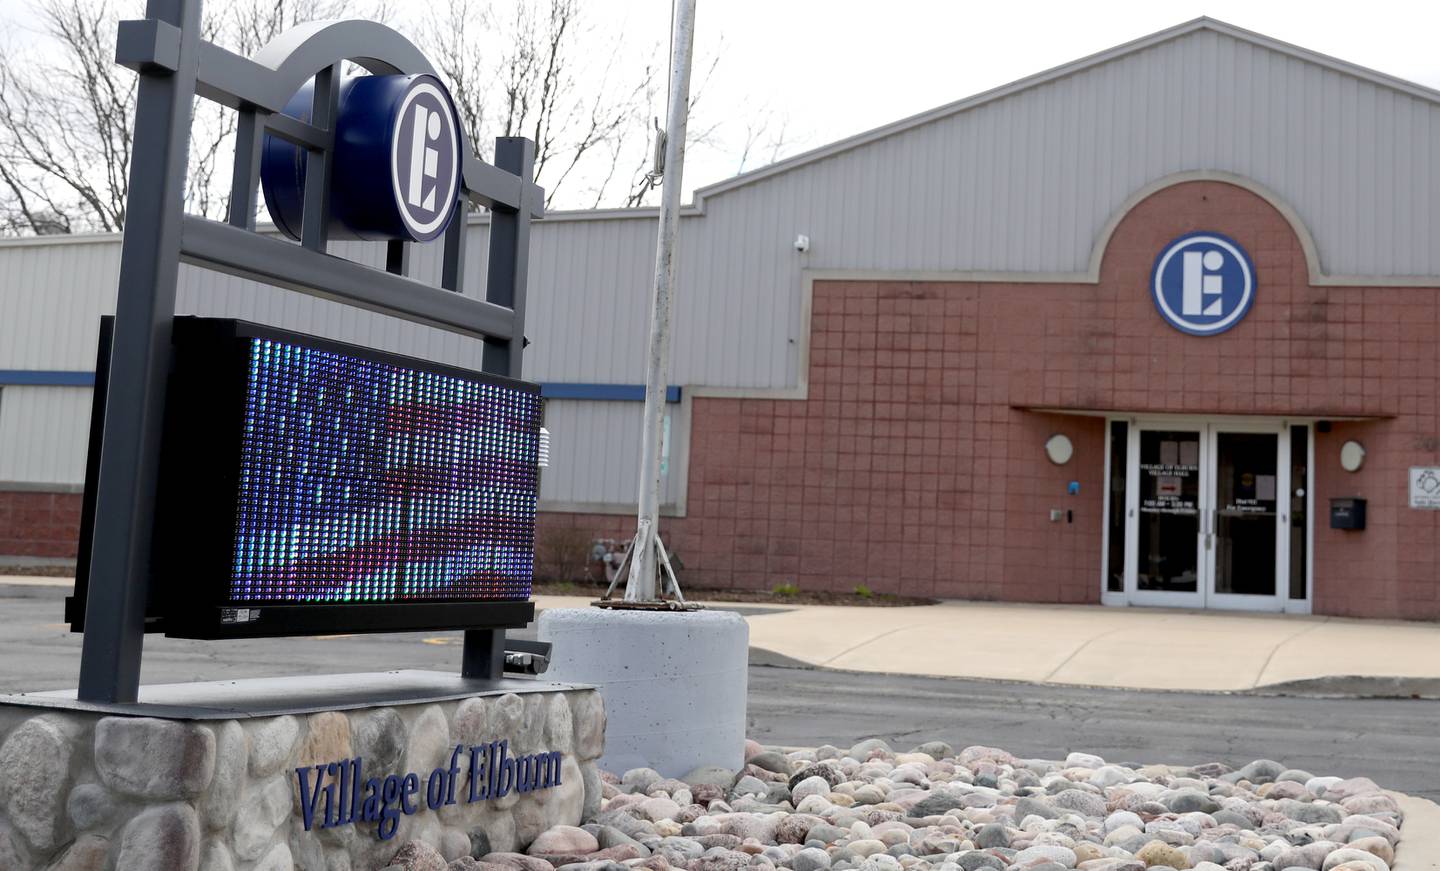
(589, 300)
(51, 298)
(1027, 182)
(594, 453)
(43, 433)
(1020, 184)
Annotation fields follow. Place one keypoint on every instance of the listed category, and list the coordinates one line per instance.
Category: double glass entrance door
(1207, 515)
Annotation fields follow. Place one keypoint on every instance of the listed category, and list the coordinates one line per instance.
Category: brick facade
(38, 524)
(915, 467)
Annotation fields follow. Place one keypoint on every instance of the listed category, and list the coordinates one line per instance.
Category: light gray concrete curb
(1419, 848)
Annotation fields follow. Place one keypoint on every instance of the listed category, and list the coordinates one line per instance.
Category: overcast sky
(843, 66)
(831, 68)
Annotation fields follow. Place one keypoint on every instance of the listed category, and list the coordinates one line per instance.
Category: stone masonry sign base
(207, 775)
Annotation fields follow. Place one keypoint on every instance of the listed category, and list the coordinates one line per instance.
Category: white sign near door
(1425, 487)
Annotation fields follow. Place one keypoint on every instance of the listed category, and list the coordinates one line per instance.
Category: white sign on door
(1425, 487)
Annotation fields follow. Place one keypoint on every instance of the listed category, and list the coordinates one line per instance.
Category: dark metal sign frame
(175, 65)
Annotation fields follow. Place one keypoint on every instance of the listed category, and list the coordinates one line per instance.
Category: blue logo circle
(1203, 283)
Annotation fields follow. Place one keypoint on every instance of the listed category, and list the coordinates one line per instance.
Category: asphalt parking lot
(1390, 740)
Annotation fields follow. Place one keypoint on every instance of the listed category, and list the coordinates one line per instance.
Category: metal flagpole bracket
(670, 598)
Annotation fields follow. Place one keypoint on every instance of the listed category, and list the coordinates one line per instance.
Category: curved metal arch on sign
(300, 53)
(303, 50)
(269, 79)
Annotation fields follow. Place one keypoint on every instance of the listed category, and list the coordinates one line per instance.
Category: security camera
(802, 243)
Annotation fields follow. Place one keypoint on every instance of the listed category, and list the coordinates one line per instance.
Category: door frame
(1238, 601)
(1208, 426)
(1164, 598)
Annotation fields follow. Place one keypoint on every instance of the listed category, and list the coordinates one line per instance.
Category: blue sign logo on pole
(1203, 283)
(397, 165)
(424, 158)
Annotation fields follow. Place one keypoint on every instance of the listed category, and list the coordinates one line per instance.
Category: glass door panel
(1169, 512)
(1246, 513)
(1214, 514)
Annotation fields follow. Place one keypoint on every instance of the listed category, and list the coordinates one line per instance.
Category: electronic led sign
(311, 486)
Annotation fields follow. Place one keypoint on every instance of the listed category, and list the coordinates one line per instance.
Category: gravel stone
(810, 859)
(588, 714)
(157, 760)
(709, 775)
(13, 852)
(867, 809)
(1261, 771)
(262, 812)
(278, 859)
(992, 835)
(166, 836)
(1033, 806)
(935, 749)
(221, 802)
(974, 860)
(86, 853)
(380, 738)
(771, 760)
(270, 744)
(90, 806)
(1087, 803)
(862, 750)
(35, 779)
(824, 770)
(639, 780)
(1192, 801)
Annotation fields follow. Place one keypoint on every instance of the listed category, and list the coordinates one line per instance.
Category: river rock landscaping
(870, 808)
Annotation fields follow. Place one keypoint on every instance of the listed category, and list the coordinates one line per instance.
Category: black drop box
(1347, 513)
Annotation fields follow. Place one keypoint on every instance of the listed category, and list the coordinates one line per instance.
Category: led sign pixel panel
(364, 482)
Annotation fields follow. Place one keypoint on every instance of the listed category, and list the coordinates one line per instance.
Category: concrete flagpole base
(674, 683)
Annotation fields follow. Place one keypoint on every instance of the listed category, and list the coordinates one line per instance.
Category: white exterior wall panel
(51, 297)
(595, 455)
(43, 433)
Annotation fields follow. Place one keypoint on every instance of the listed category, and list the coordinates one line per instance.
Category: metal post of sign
(647, 556)
(145, 306)
(484, 653)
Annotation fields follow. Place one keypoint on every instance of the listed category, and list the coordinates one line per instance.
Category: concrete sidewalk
(1135, 648)
(1096, 646)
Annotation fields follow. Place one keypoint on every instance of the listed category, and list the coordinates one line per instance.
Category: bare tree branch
(539, 68)
(67, 110)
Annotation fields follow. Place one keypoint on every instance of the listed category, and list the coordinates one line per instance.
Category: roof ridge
(1090, 61)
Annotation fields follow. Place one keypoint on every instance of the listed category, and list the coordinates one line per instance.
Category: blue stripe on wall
(43, 378)
(610, 392)
(550, 390)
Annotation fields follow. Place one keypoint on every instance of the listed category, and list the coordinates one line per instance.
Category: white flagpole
(646, 553)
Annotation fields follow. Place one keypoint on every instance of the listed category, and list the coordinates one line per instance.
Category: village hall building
(1158, 327)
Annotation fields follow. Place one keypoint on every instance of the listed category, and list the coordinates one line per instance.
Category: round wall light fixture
(1352, 456)
(1059, 449)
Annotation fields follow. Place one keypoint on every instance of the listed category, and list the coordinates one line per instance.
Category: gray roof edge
(1066, 69)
